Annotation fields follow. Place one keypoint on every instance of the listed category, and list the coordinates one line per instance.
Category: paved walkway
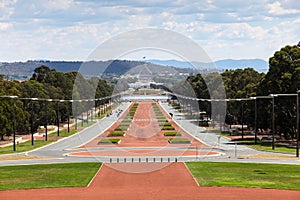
(173, 181)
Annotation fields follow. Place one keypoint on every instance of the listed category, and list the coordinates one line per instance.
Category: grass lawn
(25, 146)
(248, 175)
(63, 133)
(267, 146)
(47, 175)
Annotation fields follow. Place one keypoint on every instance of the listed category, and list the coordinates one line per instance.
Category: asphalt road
(58, 152)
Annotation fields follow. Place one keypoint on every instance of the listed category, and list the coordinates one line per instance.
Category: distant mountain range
(221, 65)
(24, 70)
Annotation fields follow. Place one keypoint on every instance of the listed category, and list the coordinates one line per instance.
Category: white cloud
(70, 29)
(6, 8)
(56, 4)
(277, 9)
(5, 26)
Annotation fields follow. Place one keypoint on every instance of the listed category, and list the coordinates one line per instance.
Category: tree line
(283, 77)
(45, 83)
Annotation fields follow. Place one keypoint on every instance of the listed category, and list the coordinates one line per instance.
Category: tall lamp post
(57, 117)
(255, 114)
(46, 128)
(298, 132)
(273, 121)
(32, 119)
(14, 122)
(297, 116)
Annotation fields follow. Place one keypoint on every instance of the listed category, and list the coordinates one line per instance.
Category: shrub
(172, 134)
(116, 133)
(109, 141)
(203, 123)
(179, 141)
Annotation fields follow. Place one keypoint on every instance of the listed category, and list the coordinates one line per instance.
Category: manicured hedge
(167, 128)
(116, 133)
(123, 127)
(179, 141)
(109, 141)
(172, 133)
(165, 124)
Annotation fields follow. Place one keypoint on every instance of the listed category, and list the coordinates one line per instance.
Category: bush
(179, 141)
(172, 134)
(109, 141)
(116, 133)
(203, 123)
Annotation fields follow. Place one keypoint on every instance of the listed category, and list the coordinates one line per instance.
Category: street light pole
(46, 128)
(242, 120)
(298, 132)
(273, 122)
(14, 123)
(57, 118)
(31, 129)
(255, 119)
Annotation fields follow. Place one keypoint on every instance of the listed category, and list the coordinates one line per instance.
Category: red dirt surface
(144, 131)
(171, 182)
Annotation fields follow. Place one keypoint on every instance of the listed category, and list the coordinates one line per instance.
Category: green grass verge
(64, 133)
(109, 141)
(248, 175)
(25, 146)
(179, 141)
(172, 134)
(267, 146)
(116, 133)
(47, 175)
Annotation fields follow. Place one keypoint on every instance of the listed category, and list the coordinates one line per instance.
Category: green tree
(283, 77)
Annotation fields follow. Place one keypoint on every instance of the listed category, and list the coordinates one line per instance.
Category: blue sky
(72, 29)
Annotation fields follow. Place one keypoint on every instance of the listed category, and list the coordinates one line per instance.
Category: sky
(72, 29)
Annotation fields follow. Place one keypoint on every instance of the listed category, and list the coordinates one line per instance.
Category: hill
(221, 65)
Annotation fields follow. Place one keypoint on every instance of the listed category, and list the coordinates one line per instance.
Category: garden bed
(116, 134)
(109, 141)
(174, 133)
(167, 128)
(179, 141)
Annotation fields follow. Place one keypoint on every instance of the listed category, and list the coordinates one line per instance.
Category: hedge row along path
(171, 182)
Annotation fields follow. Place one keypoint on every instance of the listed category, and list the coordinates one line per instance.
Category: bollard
(132, 159)
(110, 160)
(146, 159)
(168, 159)
(161, 159)
(124, 159)
(175, 159)
(154, 159)
(139, 159)
(117, 160)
